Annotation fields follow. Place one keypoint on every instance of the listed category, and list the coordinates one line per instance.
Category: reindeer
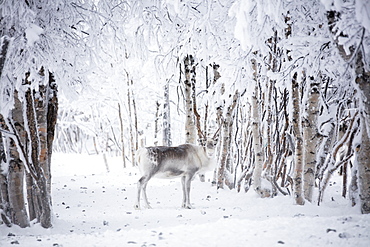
(169, 162)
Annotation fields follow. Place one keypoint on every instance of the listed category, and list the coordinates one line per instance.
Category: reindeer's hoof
(137, 207)
(187, 206)
(148, 206)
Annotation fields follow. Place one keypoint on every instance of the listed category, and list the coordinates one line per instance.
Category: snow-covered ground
(95, 208)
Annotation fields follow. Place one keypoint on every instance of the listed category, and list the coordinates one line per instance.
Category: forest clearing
(96, 208)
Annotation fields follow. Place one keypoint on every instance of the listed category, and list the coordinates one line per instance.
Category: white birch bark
(167, 140)
(256, 136)
(156, 123)
(257, 147)
(132, 135)
(298, 154)
(310, 136)
(225, 150)
(268, 172)
(190, 129)
(122, 135)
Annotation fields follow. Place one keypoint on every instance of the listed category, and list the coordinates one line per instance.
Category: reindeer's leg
(147, 205)
(183, 191)
(186, 188)
(141, 186)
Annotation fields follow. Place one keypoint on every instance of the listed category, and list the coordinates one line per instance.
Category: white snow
(95, 208)
(33, 33)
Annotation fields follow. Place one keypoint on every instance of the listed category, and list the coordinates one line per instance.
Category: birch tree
(350, 44)
(167, 139)
(225, 168)
(310, 135)
(189, 89)
(256, 134)
(32, 64)
(298, 150)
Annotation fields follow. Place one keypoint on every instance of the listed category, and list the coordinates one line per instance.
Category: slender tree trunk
(135, 120)
(167, 139)
(310, 135)
(156, 123)
(41, 116)
(132, 141)
(223, 173)
(105, 150)
(52, 115)
(268, 169)
(298, 154)
(257, 147)
(122, 136)
(353, 188)
(285, 147)
(256, 136)
(189, 83)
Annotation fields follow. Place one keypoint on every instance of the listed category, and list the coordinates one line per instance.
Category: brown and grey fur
(169, 162)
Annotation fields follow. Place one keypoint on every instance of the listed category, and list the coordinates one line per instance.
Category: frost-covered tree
(291, 105)
(40, 48)
(288, 38)
(28, 115)
(349, 25)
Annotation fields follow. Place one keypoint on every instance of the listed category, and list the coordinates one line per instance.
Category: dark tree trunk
(52, 115)
(29, 145)
(16, 171)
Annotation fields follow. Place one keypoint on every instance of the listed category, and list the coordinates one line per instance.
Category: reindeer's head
(210, 143)
(211, 146)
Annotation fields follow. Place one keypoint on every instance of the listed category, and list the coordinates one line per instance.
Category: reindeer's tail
(140, 156)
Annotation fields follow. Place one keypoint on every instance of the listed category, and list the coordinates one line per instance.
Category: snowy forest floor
(95, 208)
